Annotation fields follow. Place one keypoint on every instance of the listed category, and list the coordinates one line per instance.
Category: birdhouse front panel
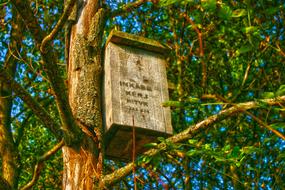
(135, 87)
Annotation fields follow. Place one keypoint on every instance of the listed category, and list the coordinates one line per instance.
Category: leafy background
(222, 53)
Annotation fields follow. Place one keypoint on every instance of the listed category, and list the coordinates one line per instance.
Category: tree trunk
(82, 168)
(8, 149)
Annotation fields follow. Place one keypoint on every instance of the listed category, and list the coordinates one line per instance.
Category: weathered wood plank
(135, 87)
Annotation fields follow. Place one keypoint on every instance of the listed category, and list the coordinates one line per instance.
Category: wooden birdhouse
(135, 86)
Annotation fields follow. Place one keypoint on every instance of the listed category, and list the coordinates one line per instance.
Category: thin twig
(34, 105)
(40, 165)
(134, 154)
(58, 25)
(201, 49)
(127, 8)
(280, 50)
(277, 133)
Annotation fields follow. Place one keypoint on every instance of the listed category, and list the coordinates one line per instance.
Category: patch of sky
(189, 119)
(57, 42)
(31, 141)
(280, 144)
(220, 179)
(276, 117)
(7, 36)
(250, 94)
(170, 169)
(113, 4)
(53, 11)
(265, 160)
(2, 53)
(30, 55)
(30, 75)
(248, 118)
(223, 129)
(270, 31)
(16, 107)
(217, 110)
(20, 72)
(137, 27)
(195, 183)
(199, 166)
(214, 145)
(42, 25)
(248, 172)
(39, 79)
(178, 185)
(209, 107)
(230, 186)
(28, 41)
(195, 112)
(8, 14)
(262, 63)
(256, 69)
(194, 58)
(266, 179)
(31, 91)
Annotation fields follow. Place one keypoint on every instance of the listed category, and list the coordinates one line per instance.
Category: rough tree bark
(8, 149)
(82, 168)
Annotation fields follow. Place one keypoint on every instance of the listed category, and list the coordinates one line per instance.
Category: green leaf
(239, 13)
(268, 95)
(192, 152)
(249, 29)
(278, 125)
(227, 147)
(150, 145)
(146, 159)
(192, 141)
(193, 100)
(281, 90)
(244, 49)
(207, 147)
(272, 10)
(219, 159)
(161, 139)
(164, 3)
(225, 12)
(172, 104)
(281, 156)
(209, 5)
(249, 149)
(235, 152)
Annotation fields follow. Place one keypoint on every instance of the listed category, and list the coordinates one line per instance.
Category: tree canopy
(226, 83)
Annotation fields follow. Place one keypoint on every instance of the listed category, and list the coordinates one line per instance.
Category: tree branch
(58, 25)
(127, 7)
(72, 133)
(190, 132)
(259, 121)
(280, 50)
(201, 49)
(38, 110)
(4, 184)
(31, 22)
(40, 164)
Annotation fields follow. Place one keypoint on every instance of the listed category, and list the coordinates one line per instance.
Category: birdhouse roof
(127, 39)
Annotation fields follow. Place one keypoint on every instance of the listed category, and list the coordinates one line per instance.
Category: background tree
(226, 79)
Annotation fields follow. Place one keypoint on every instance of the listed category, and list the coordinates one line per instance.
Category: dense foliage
(223, 53)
